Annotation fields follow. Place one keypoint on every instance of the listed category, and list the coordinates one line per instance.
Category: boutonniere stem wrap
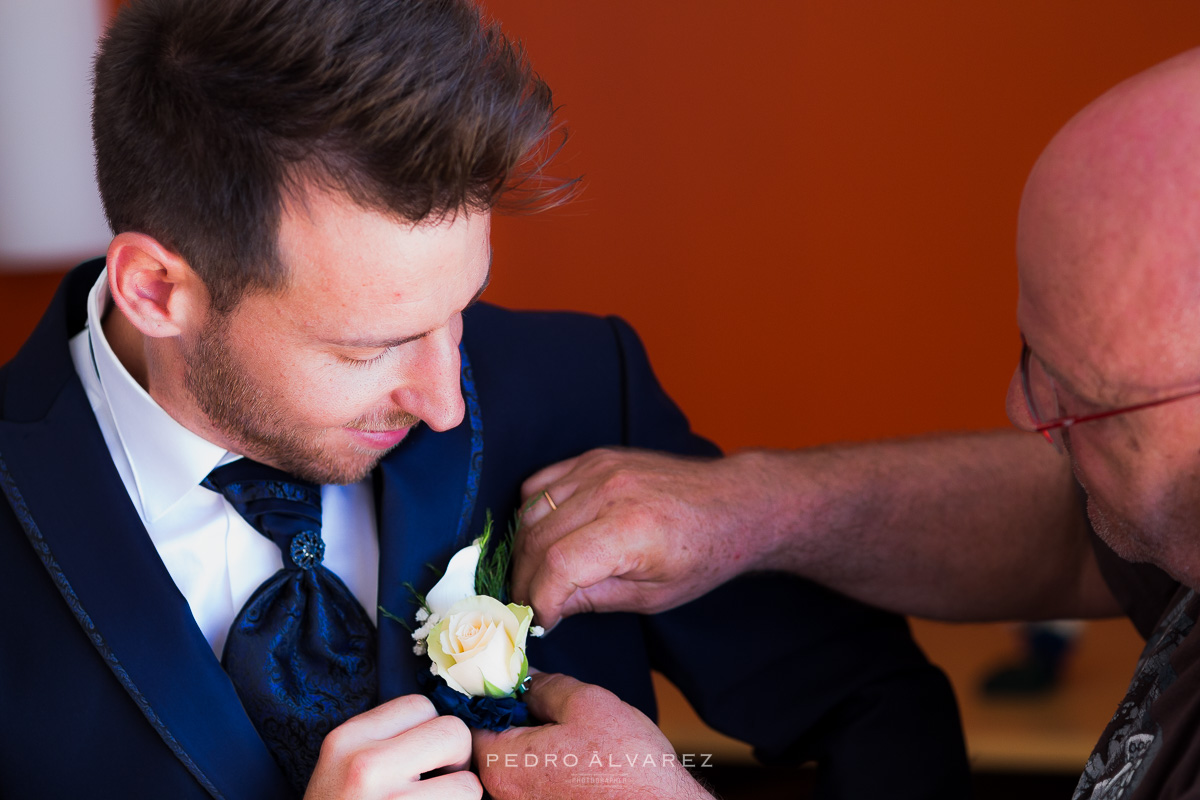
(475, 642)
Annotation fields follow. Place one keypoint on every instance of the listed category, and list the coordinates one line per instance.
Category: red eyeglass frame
(1067, 421)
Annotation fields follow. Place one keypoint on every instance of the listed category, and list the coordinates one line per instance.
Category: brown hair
(207, 112)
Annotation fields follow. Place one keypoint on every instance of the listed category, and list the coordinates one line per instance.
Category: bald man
(969, 527)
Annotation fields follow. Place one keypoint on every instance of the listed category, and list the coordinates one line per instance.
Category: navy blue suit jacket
(108, 687)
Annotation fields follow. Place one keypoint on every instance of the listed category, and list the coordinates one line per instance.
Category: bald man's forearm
(959, 527)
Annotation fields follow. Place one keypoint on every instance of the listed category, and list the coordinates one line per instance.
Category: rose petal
(458, 627)
(489, 607)
(441, 658)
(524, 616)
(468, 638)
(494, 662)
(516, 665)
(470, 678)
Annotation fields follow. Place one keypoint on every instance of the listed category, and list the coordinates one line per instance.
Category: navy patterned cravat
(301, 654)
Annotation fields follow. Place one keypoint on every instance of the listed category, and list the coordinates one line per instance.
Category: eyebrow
(385, 343)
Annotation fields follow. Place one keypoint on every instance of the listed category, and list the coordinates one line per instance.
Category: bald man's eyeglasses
(1041, 399)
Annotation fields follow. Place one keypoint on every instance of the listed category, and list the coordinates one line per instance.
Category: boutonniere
(475, 641)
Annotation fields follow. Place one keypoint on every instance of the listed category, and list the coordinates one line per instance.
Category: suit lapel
(56, 473)
(426, 492)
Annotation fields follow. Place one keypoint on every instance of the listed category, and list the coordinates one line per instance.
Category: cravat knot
(285, 509)
(306, 551)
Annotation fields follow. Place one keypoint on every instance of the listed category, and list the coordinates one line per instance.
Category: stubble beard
(1153, 540)
(1116, 532)
(1159, 532)
(240, 409)
(1121, 536)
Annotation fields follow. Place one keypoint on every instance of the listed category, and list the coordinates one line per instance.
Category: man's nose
(434, 392)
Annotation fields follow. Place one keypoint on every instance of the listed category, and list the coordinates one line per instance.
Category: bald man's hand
(884, 523)
(593, 746)
(635, 531)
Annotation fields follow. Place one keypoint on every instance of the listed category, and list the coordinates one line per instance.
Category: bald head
(1108, 246)
(1109, 239)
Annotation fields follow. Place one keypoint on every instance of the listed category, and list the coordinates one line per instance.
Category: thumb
(549, 695)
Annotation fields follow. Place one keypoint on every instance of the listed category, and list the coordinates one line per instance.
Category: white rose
(479, 646)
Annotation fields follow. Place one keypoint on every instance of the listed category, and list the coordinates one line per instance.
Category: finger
(539, 481)
(371, 764)
(560, 482)
(539, 531)
(496, 754)
(386, 720)
(452, 786)
(530, 503)
(544, 503)
(641, 596)
(495, 743)
(610, 594)
(483, 742)
(533, 541)
(551, 695)
(444, 742)
(586, 557)
(462, 763)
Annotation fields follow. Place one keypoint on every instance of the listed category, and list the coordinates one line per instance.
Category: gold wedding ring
(550, 500)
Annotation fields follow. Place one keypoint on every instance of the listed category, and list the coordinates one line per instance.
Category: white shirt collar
(167, 459)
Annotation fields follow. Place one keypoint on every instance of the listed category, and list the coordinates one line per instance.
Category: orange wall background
(806, 209)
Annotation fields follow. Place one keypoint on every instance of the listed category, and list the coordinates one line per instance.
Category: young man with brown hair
(268, 409)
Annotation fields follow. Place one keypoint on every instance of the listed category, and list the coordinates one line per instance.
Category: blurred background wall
(49, 207)
(806, 208)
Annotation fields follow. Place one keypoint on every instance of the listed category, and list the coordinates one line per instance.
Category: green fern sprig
(495, 561)
(417, 597)
(389, 615)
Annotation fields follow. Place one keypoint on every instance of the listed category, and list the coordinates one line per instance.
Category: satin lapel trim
(104, 564)
(426, 494)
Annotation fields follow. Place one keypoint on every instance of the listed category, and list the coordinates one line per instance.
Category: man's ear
(155, 288)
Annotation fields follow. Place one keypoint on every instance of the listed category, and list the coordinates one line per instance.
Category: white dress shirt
(216, 558)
